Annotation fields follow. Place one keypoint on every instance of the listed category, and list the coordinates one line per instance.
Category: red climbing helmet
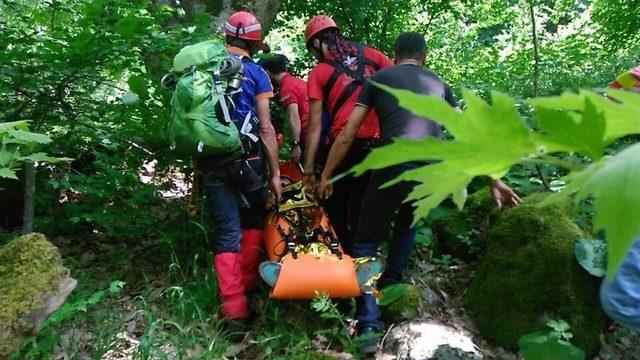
(317, 24)
(243, 25)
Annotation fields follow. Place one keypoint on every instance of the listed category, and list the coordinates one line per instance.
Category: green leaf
(116, 286)
(592, 256)
(43, 157)
(22, 125)
(5, 156)
(569, 132)
(30, 137)
(536, 347)
(622, 115)
(488, 140)
(8, 173)
(138, 85)
(392, 293)
(128, 27)
(613, 182)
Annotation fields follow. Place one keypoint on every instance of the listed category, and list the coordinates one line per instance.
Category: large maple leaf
(488, 140)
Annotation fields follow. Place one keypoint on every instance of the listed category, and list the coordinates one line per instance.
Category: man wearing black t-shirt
(382, 207)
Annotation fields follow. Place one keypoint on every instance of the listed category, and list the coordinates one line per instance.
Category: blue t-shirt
(256, 85)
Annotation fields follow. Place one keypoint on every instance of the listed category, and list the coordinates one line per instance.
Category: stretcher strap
(290, 241)
(333, 244)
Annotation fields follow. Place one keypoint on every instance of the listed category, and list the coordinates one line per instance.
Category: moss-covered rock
(407, 307)
(460, 233)
(30, 268)
(529, 270)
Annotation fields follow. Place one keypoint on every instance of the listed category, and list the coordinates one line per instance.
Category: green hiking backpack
(200, 119)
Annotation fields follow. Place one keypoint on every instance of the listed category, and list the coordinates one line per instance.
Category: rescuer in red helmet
(237, 189)
(333, 87)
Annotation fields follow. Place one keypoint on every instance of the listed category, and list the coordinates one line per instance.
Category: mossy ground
(529, 270)
(30, 267)
(460, 233)
(407, 307)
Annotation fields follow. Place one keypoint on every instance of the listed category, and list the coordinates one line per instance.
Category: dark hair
(340, 47)
(410, 45)
(276, 64)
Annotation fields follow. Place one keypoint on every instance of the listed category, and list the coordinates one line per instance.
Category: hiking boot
(368, 344)
(236, 328)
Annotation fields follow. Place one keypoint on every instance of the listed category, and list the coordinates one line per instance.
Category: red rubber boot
(251, 250)
(228, 268)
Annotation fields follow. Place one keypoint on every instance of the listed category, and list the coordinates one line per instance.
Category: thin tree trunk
(536, 54)
(536, 76)
(29, 197)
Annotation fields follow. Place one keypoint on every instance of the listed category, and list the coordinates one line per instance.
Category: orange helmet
(317, 24)
(243, 25)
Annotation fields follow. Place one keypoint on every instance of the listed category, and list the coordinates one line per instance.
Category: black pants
(384, 207)
(345, 204)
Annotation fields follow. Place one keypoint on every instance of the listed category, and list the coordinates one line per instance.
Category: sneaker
(236, 328)
(369, 341)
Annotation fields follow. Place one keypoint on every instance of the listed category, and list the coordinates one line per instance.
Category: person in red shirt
(333, 87)
(292, 95)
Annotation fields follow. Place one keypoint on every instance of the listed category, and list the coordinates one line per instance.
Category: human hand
(276, 187)
(503, 195)
(325, 188)
(309, 183)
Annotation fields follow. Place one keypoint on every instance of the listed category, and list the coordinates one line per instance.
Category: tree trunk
(536, 76)
(536, 54)
(29, 197)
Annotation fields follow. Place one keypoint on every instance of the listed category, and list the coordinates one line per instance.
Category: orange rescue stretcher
(299, 237)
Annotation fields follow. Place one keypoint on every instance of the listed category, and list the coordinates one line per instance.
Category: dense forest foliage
(83, 126)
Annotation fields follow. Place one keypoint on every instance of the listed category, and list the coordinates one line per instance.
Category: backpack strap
(357, 76)
(217, 85)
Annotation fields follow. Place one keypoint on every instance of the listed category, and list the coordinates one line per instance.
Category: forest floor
(167, 307)
(167, 310)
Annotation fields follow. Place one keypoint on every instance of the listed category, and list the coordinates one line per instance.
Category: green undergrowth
(169, 309)
(529, 270)
(30, 267)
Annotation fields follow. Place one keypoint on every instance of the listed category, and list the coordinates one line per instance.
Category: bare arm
(340, 147)
(312, 142)
(294, 121)
(270, 144)
(343, 142)
(295, 125)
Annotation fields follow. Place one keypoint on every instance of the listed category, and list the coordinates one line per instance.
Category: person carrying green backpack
(232, 157)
